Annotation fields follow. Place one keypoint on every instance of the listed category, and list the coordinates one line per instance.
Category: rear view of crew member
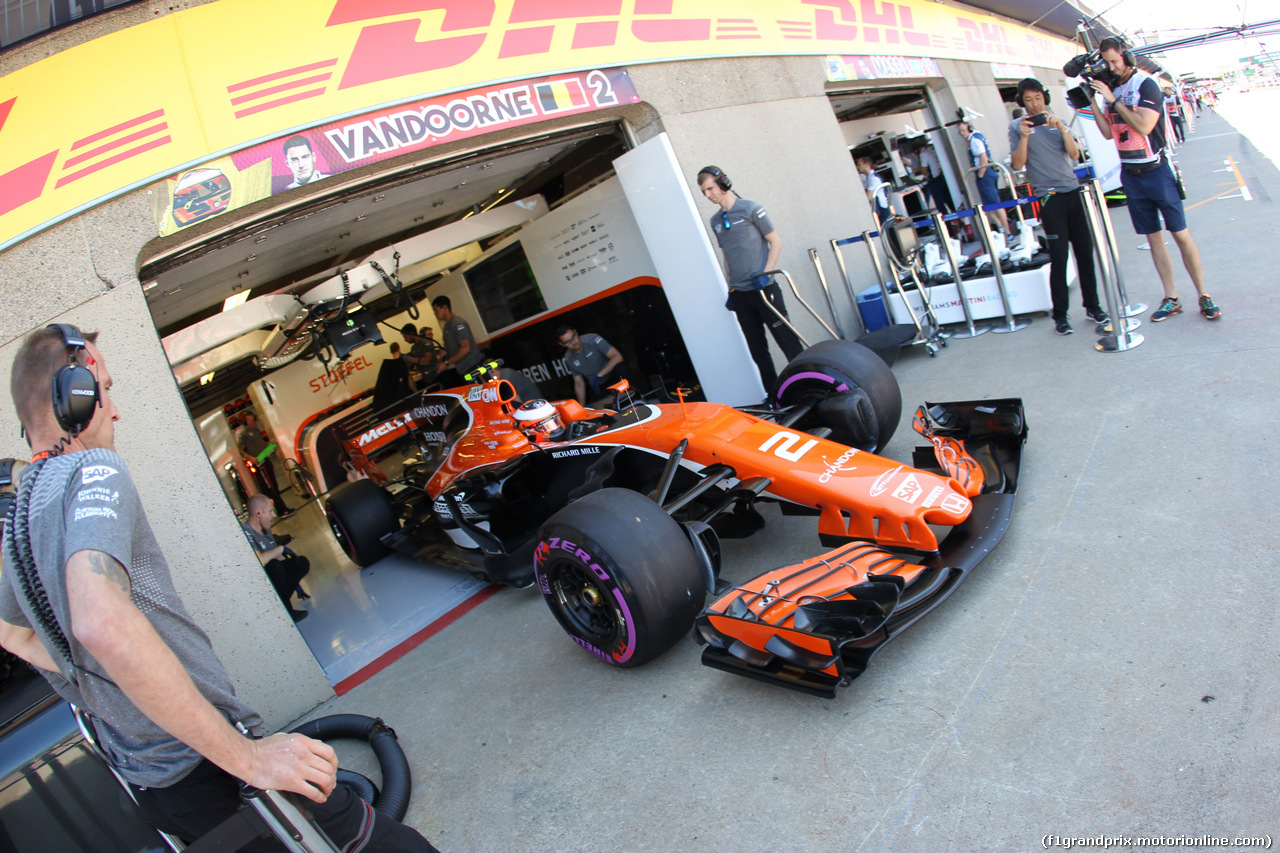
(750, 245)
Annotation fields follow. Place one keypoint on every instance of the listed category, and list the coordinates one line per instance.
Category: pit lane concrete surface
(1108, 671)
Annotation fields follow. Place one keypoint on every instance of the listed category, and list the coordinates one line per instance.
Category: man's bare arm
(106, 622)
(24, 643)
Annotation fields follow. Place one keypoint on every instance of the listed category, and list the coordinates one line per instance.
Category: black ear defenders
(1030, 84)
(75, 388)
(1127, 55)
(722, 180)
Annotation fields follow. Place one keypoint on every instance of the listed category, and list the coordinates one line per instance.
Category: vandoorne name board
(158, 99)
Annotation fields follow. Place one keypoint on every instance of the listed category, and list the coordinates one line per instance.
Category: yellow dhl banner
(146, 102)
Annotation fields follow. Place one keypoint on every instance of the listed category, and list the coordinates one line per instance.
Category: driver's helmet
(540, 421)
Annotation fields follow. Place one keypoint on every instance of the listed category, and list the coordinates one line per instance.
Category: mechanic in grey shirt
(591, 359)
(86, 597)
(1048, 151)
(750, 245)
(461, 352)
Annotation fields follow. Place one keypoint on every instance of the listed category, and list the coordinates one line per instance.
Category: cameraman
(1040, 143)
(1133, 121)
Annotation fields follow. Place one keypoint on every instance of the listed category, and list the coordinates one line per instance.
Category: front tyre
(360, 514)
(619, 575)
(853, 391)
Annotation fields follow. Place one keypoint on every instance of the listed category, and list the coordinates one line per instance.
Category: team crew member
(1173, 104)
(253, 445)
(1134, 121)
(936, 183)
(750, 245)
(985, 176)
(461, 352)
(284, 568)
(87, 598)
(877, 189)
(1049, 152)
(591, 359)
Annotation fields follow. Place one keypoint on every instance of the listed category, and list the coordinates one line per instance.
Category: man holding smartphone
(1040, 143)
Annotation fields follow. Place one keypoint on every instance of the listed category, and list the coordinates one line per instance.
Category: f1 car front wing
(813, 626)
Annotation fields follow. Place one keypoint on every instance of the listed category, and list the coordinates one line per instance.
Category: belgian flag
(558, 95)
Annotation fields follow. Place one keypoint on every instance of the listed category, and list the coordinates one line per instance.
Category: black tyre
(620, 576)
(854, 392)
(360, 514)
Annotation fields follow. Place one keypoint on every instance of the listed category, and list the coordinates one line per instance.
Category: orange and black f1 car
(617, 515)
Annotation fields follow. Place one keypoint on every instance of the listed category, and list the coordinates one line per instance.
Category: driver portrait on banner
(300, 159)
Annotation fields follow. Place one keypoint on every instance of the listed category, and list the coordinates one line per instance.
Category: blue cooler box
(871, 307)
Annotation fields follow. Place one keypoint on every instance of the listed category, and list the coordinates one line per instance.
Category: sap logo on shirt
(94, 473)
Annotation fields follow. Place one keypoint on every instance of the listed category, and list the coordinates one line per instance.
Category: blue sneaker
(1167, 309)
(1208, 309)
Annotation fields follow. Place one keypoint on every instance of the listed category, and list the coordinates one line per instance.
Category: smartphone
(1039, 119)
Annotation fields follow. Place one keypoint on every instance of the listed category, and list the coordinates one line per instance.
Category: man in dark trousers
(86, 597)
(1048, 151)
(751, 246)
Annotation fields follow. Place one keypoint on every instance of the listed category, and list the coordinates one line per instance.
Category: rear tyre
(619, 575)
(360, 514)
(854, 393)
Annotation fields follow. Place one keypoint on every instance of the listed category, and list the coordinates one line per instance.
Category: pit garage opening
(289, 314)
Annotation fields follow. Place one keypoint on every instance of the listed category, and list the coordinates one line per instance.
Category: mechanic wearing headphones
(1044, 146)
(87, 598)
(1133, 120)
(750, 245)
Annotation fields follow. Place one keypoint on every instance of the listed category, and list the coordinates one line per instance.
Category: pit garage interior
(438, 217)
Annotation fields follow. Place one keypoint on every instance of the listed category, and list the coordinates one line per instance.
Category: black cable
(396, 287)
(20, 557)
(29, 582)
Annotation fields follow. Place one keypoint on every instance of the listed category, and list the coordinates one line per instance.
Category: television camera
(1087, 66)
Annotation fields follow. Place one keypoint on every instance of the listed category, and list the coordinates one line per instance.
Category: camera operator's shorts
(987, 190)
(1152, 195)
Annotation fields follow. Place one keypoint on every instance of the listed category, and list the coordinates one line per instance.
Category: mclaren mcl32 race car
(617, 515)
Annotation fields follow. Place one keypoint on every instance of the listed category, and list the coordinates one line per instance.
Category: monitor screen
(504, 289)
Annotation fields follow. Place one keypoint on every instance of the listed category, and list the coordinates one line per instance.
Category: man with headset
(750, 245)
(1134, 121)
(87, 598)
(1046, 148)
